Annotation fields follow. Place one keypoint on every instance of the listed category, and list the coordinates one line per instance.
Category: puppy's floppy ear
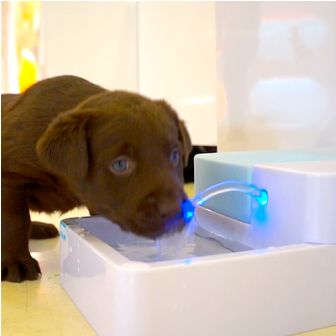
(183, 132)
(63, 146)
(186, 142)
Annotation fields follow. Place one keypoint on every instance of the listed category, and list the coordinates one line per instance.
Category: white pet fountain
(260, 262)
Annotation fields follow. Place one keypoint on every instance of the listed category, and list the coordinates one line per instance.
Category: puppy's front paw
(43, 230)
(19, 270)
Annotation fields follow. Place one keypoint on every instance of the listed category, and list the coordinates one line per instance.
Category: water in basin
(183, 245)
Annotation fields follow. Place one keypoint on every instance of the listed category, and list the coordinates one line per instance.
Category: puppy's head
(123, 156)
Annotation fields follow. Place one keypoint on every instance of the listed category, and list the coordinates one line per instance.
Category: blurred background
(243, 75)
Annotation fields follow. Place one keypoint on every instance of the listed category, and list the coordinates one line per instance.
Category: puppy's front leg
(16, 262)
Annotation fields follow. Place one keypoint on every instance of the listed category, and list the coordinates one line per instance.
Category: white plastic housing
(301, 191)
(302, 203)
(273, 291)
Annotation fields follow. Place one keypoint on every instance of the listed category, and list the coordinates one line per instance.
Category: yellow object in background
(28, 71)
(25, 32)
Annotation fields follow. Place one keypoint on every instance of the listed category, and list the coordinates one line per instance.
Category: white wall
(177, 61)
(163, 50)
(276, 75)
(94, 40)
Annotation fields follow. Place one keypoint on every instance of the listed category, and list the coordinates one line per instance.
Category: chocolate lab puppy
(67, 142)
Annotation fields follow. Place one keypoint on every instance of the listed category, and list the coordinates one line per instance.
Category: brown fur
(59, 139)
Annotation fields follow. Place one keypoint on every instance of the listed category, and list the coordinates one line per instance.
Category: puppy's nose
(170, 208)
(170, 204)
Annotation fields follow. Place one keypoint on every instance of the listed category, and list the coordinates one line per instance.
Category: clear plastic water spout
(189, 206)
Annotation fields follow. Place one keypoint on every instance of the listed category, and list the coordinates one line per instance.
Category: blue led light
(260, 215)
(188, 211)
(262, 199)
(260, 195)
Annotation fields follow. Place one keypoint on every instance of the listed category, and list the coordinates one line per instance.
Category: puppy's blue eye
(175, 157)
(122, 165)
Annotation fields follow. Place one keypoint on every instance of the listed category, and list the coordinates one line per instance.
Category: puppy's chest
(51, 197)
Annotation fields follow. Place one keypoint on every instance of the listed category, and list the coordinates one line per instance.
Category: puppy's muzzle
(161, 212)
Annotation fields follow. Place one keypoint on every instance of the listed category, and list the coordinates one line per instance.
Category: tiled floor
(35, 308)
